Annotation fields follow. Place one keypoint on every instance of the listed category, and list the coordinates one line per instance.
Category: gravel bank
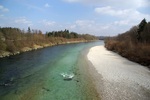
(119, 78)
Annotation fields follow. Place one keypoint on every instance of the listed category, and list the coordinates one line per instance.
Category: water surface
(36, 75)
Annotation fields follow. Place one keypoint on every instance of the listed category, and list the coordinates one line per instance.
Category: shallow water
(36, 75)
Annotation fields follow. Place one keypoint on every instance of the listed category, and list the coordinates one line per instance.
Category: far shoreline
(36, 47)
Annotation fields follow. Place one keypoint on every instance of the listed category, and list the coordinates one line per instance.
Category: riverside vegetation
(133, 44)
(13, 40)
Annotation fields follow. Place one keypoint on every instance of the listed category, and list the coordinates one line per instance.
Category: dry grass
(139, 52)
(132, 45)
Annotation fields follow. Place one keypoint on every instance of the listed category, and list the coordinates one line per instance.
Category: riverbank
(85, 77)
(117, 78)
(134, 51)
(133, 44)
(15, 41)
(35, 47)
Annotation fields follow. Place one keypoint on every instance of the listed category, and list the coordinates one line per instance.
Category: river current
(36, 75)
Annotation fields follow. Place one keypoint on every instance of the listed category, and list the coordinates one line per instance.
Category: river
(35, 75)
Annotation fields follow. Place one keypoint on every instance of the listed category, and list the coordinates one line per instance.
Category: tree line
(69, 35)
(134, 44)
(14, 39)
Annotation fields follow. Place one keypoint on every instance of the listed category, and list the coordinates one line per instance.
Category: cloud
(1, 15)
(88, 26)
(117, 3)
(100, 29)
(23, 20)
(124, 13)
(47, 5)
(29, 6)
(113, 12)
(71, 1)
(83, 23)
(122, 22)
(3, 9)
(48, 23)
(143, 3)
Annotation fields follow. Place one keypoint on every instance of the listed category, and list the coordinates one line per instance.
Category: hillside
(133, 44)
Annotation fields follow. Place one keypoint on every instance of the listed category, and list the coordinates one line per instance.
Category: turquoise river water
(35, 75)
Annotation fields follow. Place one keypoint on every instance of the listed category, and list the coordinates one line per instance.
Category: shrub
(129, 45)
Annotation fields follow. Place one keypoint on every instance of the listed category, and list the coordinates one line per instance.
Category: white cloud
(124, 13)
(142, 3)
(34, 7)
(117, 3)
(88, 26)
(47, 5)
(105, 10)
(72, 26)
(1, 15)
(48, 23)
(72, 0)
(23, 20)
(3, 9)
(105, 27)
(122, 22)
(115, 12)
(100, 29)
(83, 23)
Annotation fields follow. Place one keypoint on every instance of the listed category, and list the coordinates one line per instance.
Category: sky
(96, 17)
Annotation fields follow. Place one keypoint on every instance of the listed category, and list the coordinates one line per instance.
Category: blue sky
(97, 17)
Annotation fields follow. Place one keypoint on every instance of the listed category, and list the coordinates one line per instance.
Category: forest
(14, 40)
(133, 44)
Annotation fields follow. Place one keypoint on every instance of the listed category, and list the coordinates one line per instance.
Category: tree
(29, 30)
(141, 28)
(145, 34)
(2, 42)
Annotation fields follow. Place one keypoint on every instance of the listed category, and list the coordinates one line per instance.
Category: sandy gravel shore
(118, 78)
